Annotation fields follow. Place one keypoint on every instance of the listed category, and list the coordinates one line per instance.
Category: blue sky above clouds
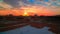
(18, 3)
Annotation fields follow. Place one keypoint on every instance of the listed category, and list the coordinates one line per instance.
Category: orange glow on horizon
(27, 11)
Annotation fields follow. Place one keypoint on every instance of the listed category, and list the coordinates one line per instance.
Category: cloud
(6, 6)
(13, 3)
(21, 3)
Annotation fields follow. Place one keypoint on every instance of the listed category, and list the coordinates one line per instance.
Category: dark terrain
(12, 22)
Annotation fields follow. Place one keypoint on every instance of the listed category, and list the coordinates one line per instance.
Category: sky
(39, 7)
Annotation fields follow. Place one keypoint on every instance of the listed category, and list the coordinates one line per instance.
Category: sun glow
(28, 10)
(25, 14)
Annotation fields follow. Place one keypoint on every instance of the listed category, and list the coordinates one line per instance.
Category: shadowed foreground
(12, 22)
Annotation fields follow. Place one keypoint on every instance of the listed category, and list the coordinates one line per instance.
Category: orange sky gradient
(29, 10)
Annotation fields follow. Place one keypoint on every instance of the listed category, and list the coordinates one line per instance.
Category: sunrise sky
(31, 7)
